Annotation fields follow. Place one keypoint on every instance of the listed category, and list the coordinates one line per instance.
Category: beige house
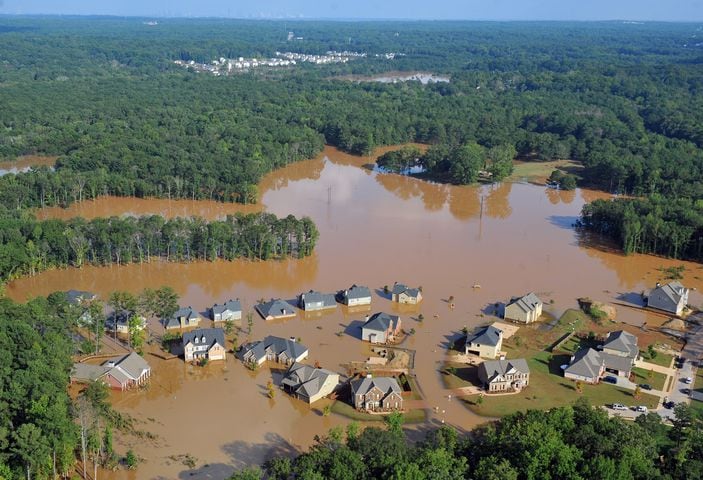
(504, 375)
(486, 342)
(205, 343)
(402, 294)
(376, 394)
(381, 328)
(671, 298)
(309, 384)
(586, 365)
(525, 309)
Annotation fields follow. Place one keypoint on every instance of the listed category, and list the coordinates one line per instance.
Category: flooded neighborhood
(465, 248)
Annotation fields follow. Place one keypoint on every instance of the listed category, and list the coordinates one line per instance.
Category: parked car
(687, 380)
(619, 406)
(641, 408)
(686, 391)
(645, 386)
(669, 405)
(610, 379)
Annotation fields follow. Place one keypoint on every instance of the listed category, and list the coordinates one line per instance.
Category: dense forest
(28, 246)
(105, 96)
(575, 442)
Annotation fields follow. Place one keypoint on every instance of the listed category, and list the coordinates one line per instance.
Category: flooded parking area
(478, 244)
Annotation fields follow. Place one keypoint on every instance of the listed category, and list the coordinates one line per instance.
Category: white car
(641, 408)
(688, 380)
(619, 406)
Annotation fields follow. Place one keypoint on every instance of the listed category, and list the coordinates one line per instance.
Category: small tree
(131, 460)
(479, 400)
(651, 352)
(579, 386)
(271, 389)
(420, 317)
(637, 393)
(386, 289)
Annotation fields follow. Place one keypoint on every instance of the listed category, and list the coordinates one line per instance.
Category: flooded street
(375, 229)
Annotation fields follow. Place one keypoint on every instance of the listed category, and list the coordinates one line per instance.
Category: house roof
(616, 362)
(399, 288)
(75, 297)
(312, 296)
(305, 379)
(361, 386)
(622, 341)
(207, 336)
(275, 308)
(229, 305)
(132, 364)
(585, 363)
(380, 321)
(277, 345)
(356, 292)
(526, 303)
(86, 372)
(122, 319)
(499, 368)
(489, 335)
(673, 290)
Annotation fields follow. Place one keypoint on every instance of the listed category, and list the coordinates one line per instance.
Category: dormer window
(196, 339)
(202, 340)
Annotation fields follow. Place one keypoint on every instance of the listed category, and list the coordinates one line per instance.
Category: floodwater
(23, 164)
(375, 229)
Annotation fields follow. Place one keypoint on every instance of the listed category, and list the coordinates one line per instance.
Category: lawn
(460, 376)
(655, 379)
(549, 389)
(538, 172)
(661, 359)
(342, 408)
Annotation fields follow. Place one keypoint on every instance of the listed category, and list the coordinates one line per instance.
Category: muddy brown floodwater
(24, 163)
(375, 229)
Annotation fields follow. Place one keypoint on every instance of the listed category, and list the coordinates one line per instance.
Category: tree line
(29, 246)
(573, 442)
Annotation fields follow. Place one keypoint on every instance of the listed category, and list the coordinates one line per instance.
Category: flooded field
(374, 229)
(23, 164)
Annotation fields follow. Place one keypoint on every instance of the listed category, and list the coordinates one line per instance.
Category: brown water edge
(26, 161)
(374, 229)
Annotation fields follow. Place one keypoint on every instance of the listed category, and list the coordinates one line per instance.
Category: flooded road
(375, 229)
(24, 163)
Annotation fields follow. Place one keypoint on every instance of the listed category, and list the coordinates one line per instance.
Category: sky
(642, 10)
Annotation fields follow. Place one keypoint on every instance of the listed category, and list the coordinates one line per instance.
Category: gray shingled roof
(231, 305)
(278, 345)
(499, 368)
(489, 335)
(387, 385)
(622, 341)
(380, 321)
(586, 363)
(133, 364)
(399, 288)
(673, 290)
(357, 291)
(86, 372)
(275, 308)
(205, 335)
(616, 362)
(306, 379)
(526, 303)
(312, 296)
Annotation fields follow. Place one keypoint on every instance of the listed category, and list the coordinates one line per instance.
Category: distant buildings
(381, 328)
(486, 342)
(525, 309)
(672, 298)
(504, 375)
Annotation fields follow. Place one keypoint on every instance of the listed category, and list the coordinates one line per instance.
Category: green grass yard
(655, 379)
(342, 408)
(661, 359)
(549, 389)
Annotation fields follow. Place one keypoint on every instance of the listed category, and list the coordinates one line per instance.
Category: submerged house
(230, 310)
(274, 349)
(183, 318)
(313, 301)
(381, 328)
(79, 297)
(276, 309)
(525, 309)
(403, 294)
(119, 322)
(355, 295)
(376, 394)
(309, 384)
(504, 375)
(672, 298)
(204, 343)
(486, 342)
(119, 373)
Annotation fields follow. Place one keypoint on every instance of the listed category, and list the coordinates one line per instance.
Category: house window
(196, 339)
(202, 339)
